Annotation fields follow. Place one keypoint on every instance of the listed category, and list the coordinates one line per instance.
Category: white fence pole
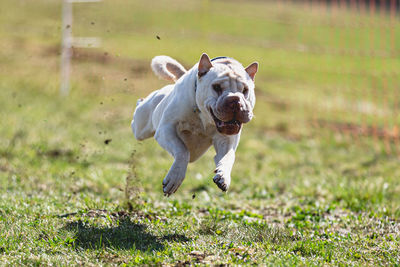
(66, 47)
(68, 41)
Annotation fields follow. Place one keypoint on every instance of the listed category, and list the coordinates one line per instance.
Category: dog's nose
(233, 102)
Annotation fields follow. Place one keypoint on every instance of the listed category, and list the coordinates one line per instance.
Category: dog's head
(225, 92)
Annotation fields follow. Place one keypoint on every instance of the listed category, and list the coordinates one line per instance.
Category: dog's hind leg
(141, 124)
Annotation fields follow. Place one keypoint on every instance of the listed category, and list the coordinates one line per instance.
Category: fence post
(66, 46)
(68, 41)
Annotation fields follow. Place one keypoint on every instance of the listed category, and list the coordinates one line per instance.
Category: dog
(207, 105)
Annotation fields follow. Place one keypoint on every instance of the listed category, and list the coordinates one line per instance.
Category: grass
(77, 189)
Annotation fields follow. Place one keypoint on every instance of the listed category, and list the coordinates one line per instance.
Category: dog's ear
(252, 70)
(204, 65)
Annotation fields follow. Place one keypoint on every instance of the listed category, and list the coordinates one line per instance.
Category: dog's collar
(217, 58)
(195, 107)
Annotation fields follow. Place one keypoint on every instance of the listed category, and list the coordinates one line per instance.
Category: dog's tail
(167, 68)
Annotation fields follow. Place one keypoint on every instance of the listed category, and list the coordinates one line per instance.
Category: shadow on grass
(125, 236)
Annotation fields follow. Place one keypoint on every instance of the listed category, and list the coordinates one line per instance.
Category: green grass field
(76, 188)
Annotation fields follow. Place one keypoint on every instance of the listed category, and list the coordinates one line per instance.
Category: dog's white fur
(178, 115)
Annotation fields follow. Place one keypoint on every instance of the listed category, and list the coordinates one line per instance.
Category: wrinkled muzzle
(229, 113)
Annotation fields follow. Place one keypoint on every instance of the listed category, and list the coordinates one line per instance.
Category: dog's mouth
(227, 127)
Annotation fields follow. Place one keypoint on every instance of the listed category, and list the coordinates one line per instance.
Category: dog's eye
(217, 88)
(245, 92)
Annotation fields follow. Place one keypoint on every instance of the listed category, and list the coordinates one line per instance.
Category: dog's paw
(222, 181)
(171, 183)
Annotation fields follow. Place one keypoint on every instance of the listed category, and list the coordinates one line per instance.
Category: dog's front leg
(225, 146)
(168, 139)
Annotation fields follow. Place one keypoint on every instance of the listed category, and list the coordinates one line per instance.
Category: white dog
(207, 105)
